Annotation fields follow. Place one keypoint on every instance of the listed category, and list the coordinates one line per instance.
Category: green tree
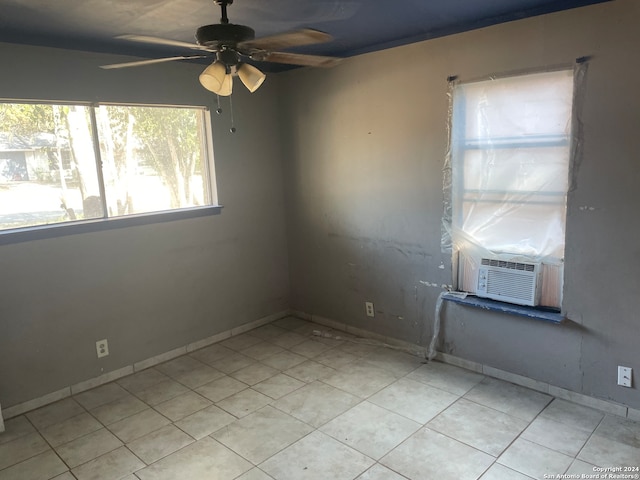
(172, 140)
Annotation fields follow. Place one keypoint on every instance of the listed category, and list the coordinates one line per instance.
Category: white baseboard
(65, 392)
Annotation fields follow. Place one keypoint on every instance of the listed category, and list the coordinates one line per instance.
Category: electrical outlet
(102, 348)
(624, 376)
(369, 308)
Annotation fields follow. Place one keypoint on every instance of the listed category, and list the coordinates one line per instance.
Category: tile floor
(280, 403)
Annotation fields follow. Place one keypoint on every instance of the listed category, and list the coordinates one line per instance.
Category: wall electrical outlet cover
(624, 376)
(369, 308)
(102, 348)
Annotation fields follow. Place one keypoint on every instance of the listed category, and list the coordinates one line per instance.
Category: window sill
(535, 313)
(42, 232)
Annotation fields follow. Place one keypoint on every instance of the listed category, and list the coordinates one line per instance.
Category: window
(61, 163)
(509, 170)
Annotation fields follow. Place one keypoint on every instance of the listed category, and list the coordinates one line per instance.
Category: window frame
(457, 142)
(106, 222)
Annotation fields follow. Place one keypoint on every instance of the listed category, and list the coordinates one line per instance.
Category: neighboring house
(32, 158)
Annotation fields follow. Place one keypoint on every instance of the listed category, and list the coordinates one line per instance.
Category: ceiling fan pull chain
(233, 127)
(219, 109)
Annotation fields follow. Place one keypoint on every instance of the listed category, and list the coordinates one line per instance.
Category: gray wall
(147, 289)
(365, 145)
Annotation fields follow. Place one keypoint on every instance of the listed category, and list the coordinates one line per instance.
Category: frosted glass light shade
(213, 77)
(227, 86)
(251, 76)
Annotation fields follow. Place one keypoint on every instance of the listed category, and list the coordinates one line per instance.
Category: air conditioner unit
(501, 278)
(507, 281)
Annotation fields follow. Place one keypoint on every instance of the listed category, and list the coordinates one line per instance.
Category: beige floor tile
(161, 392)
(138, 425)
(261, 434)
(21, 448)
(605, 452)
(68, 476)
(379, 472)
(331, 337)
(254, 373)
(556, 436)
(221, 388)
(142, 380)
(156, 445)
(288, 339)
(310, 348)
(534, 460)
(87, 448)
(211, 354)
(284, 360)
(119, 409)
(500, 472)
(179, 366)
(41, 467)
(113, 465)
(101, 395)
(255, 474)
(290, 323)
(15, 428)
(232, 362)
(261, 350)
(578, 467)
(70, 429)
(310, 371)
(205, 422)
(621, 430)
(309, 327)
(478, 426)
(452, 379)
(361, 379)
(508, 398)
(414, 400)
(316, 403)
(370, 429)
(268, 331)
(199, 376)
(303, 461)
(243, 403)
(359, 347)
(335, 358)
(573, 415)
(205, 459)
(182, 405)
(278, 386)
(55, 413)
(240, 342)
(429, 454)
(397, 363)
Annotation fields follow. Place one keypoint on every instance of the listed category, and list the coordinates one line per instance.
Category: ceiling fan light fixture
(227, 86)
(251, 77)
(213, 77)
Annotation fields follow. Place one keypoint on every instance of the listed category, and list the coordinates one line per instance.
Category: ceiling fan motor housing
(223, 34)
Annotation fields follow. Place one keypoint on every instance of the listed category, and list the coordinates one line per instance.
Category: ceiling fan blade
(299, 59)
(306, 36)
(162, 41)
(139, 63)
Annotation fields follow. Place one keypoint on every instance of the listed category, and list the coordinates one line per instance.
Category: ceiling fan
(232, 45)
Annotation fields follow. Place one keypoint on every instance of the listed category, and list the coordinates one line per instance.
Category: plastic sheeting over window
(507, 170)
(510, 157)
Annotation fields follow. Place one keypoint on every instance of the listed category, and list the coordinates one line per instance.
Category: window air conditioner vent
(514, 282)
(527, 267)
